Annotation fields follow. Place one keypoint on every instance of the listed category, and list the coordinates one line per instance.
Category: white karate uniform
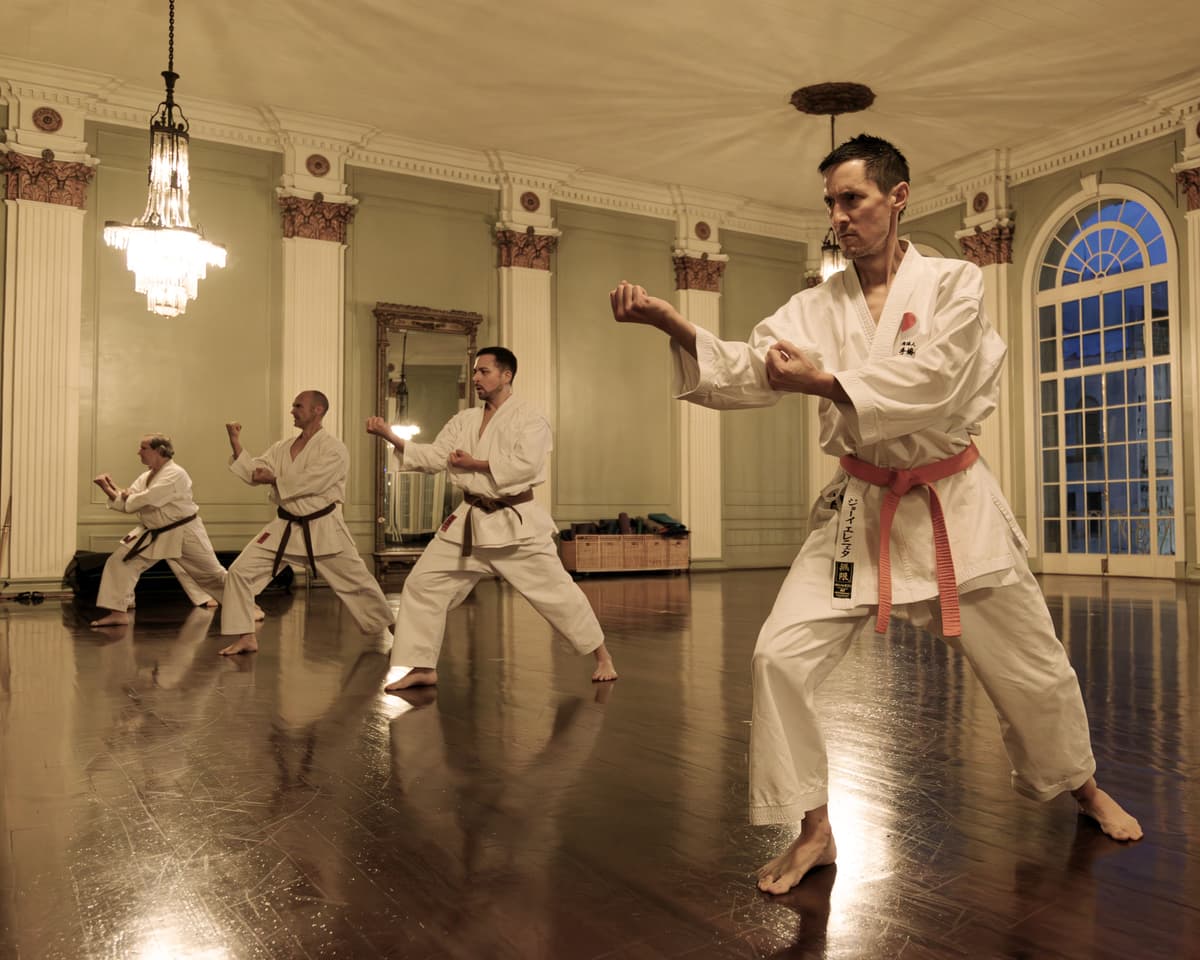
(919, 384)
(312, 481)
(158, 502)
(514, 543)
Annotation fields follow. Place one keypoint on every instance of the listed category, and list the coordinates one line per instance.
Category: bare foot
(258, 613)
(246, 643)
(416, 677)
(604, 665)
(813, 848)
(115, 618)
(1110, 815)
(209, 604)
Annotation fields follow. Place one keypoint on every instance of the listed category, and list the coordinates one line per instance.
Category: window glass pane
(1093, 390)
(1093, 427)
(1116, 461)
(1094, 462)
(1160, 337)
(1075, 505)
(1157, 251)
(1050, 430)
(1162, 420)
(1073, 393)
(1114, 387)
(1073, 422)
(1069, 277)
(1139, 460)
(1076, 542)
(1091, 349)
(1070, 350)
(1135, 305)
(1113, 314)
(1070, 316)
(1163, 455)
(1097, 539)
(1158, 299)
(1074, 459)
(1162, 381)
(1135, 342)
(1132, 213)
(1047, 322)
(1139, 499)
(1139, 536)
(1091, 313)
(1165, 498)
(1053, 531)
(1050, 466)
(1118, 499)
(1118, 536)
(1116, 424)
(1135, 385)
(1049, 396)
(1166, 538)
(1049, 356)
(1050, 502)
(1136, 416)
(1114, 346)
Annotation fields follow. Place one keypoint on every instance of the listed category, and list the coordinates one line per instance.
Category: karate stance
(169, 528)
(497, 455)
(905, 366)
(306, 477)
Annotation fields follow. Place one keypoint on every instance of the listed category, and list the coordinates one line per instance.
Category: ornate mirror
(423, 378)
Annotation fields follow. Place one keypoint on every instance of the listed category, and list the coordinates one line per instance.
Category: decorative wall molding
(45, 179)
(698, 273)
(315, 219)
(986, 247)
(529, 249)
(1189, 180)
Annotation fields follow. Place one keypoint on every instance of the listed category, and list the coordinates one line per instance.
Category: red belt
(899, 482)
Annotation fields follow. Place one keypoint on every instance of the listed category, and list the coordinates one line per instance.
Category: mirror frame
(405, 318)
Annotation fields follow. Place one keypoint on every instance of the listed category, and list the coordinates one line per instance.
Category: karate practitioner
(169, 528)
(306, 480)
(496, 454)
(905, 366)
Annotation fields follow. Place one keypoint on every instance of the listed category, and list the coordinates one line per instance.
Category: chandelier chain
(171, 39)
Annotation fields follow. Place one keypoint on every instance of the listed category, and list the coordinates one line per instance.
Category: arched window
(1106, 387)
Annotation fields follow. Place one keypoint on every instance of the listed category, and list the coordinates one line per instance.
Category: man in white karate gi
(169, 528)
(496, 454)
(306, 480)
(905, 366)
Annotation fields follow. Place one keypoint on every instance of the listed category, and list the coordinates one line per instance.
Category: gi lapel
(904, 284)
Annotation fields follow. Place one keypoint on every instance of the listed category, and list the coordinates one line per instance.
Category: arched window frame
(1091, 191)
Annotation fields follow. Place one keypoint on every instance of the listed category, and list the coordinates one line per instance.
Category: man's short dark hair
(320, 400)
(885, 165)
(505, 358)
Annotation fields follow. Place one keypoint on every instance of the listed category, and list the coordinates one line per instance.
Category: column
(314, 277)
(699, 266)
(986, 241)
(48, 172)
(1187, 175)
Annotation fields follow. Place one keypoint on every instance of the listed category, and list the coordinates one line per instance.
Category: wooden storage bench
(612, 553)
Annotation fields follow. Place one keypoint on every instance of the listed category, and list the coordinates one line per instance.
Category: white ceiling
(691, 93)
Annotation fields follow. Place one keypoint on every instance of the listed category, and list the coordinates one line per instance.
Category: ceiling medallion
(530, 201)
(47, 119)
(317, 165)
(980, 203)
(830, 99)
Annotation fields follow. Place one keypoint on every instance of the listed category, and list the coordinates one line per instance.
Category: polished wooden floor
(162, 802)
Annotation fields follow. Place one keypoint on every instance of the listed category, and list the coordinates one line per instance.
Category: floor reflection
(162, 801)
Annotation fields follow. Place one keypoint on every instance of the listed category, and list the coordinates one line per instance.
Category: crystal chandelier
(167, 255)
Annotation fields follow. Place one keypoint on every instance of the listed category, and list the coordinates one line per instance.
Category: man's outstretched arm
(632, 304)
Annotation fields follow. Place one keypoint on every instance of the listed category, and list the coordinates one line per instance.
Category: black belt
(287, 533)
(491, 505)
(149, 536)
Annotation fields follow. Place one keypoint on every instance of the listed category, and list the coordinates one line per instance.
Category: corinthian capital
(527, 249)
(315, 219)
(698, 273)
(1189, 180)
(45, 179)
(986, 247)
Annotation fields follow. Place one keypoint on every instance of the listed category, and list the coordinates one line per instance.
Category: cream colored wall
(184, 376)
(412, 241)
(616, 425)
(765, 452)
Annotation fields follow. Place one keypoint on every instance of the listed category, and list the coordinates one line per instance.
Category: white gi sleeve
(322, 472)
(433, 457)
(162, 490)
(520, 464)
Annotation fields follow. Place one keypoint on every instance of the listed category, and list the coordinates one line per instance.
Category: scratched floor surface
(162, 802)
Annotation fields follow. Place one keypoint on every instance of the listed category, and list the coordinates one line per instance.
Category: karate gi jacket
(157, 503)
(920, 382)
(515, 443)
(303, 486)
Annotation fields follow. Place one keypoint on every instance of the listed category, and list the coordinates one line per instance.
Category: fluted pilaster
(313, 322)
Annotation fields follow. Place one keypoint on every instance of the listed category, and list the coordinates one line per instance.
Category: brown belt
(491, 505)
(149, 536)
(287, 533)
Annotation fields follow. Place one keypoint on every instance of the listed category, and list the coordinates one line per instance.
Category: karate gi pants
(1007, 637)
(442, 578)
(345, 572)
(196, 557)
(195, 594)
